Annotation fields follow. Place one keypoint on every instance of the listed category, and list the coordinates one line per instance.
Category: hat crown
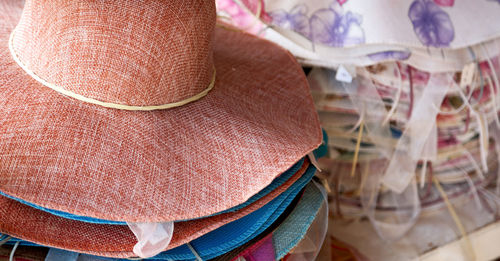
(138, 53)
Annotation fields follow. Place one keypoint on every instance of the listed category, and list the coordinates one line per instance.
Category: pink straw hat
(33, 225)
(143, 111)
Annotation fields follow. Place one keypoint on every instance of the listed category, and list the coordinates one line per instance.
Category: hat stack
(134, 128)
(408, 94)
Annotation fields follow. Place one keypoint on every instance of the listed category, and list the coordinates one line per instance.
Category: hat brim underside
(236, 233)
(33, 225)
(241, 231)
(157, 166)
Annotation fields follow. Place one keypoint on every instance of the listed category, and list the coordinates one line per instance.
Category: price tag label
(343, 75)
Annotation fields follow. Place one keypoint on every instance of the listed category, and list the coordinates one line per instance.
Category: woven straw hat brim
(40, 227)
(311, 210)
(277, 182)
(157, 166)
(301, 210)
(235, 234)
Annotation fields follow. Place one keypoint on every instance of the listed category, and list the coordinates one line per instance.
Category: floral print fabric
(364, 32)
(295, 20)
(329, 26)
(241, 17)
(431, 23)
(334, 27)
(344, 23)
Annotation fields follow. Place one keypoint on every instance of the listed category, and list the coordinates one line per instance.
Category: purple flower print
(335, 28)
(390, 55)
(295, 20)
(431, 24)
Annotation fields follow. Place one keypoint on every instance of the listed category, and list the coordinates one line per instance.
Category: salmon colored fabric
(143, 56)
(30, 224)
(157, 166)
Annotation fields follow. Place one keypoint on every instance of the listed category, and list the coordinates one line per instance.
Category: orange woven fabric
(157, 166)
(40, 227)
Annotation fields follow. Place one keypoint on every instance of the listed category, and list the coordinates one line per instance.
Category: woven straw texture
(157, 166)
(30, 224)
(169, 60)
(294, 228)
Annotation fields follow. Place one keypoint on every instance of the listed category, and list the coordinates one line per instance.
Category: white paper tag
(467, 74)
(343, 75)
